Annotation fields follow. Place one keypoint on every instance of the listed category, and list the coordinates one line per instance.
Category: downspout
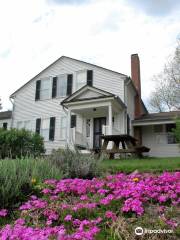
(12, 116)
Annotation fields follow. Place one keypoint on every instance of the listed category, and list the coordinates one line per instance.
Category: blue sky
(105, 32)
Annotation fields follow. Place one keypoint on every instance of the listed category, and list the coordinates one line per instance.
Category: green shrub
(74, 164)
(20, 143)
(177, 131)
(19, 176)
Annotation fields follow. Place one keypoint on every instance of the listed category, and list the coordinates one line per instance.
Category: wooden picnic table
(122, 144)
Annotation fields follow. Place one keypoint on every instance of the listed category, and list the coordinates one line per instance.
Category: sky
(34, 33)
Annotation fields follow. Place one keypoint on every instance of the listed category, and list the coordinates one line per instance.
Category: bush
(74, 164)
(19, 176)
(20, 143)
(177, 131)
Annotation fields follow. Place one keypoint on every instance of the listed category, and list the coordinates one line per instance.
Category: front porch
(100, 113)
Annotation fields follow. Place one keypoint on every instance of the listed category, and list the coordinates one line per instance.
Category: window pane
(45, 124)
(170, 127)
(62, 86)
(45, 129)
(81, 79)
(45, 84)
(45, 89)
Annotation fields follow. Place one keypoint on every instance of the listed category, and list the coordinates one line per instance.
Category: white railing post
(69, 127)
(110, 118)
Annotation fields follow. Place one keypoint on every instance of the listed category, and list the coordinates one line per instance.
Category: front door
(98, 122)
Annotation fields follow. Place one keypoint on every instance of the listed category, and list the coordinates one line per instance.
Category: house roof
(158, 117)
(5, 115)
(13, 94)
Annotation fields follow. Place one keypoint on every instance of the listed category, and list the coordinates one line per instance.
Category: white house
(73, 102)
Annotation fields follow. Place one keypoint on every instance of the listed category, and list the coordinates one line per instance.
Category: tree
(166, 96)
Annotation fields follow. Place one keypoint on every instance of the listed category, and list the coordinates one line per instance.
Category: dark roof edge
(5, 115)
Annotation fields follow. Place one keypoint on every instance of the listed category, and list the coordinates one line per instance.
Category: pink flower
(3, 213)
(110, 214)
(68, 218)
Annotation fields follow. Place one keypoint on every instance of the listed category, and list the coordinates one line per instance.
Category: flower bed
(87, 209)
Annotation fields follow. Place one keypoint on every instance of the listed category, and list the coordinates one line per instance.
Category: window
(170, 127)
(81, 79)
(88, 124)
(62, 86)
(158, 128)
(5, 124)
(63, 127)
(45, 89)
(170, 135)
(45, 129)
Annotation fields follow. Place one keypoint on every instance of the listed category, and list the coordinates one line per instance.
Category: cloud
(5, 53)
(155, 7)
(68, 2)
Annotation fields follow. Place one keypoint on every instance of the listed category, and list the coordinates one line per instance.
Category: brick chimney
(136, 78)
(135, 72)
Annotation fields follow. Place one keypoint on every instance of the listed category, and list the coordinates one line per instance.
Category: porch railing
(165, 138)
(77, 138)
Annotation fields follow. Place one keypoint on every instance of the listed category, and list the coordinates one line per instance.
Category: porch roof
(5, 115)
(157, 118)
(89, 94)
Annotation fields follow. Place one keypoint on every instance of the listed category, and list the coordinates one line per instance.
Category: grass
(142, 165)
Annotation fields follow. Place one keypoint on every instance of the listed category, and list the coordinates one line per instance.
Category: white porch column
(110, 118)
(69, 127)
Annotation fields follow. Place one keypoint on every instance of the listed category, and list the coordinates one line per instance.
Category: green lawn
(142, 165)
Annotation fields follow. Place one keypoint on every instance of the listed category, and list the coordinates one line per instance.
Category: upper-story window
(81, 79)
(45, 89)
(62, 85)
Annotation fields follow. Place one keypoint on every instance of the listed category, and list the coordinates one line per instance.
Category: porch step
(85, 151)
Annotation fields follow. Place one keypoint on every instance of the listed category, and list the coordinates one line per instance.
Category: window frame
(49, 79)
(43, 129)
(59, 86)
(85, 80)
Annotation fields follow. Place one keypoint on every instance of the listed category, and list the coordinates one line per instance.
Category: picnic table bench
(128, 145)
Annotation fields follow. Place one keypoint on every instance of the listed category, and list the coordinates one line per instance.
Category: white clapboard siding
(158, 148)
(26, 108)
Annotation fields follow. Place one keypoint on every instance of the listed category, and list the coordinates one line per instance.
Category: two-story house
(73, 102)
